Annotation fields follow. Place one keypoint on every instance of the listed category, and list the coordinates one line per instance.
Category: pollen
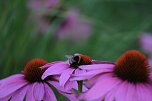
(32, 71)
(132, 66)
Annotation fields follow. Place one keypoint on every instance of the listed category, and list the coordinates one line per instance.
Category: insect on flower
(79, 59)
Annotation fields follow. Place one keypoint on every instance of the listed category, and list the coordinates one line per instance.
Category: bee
(79, 59)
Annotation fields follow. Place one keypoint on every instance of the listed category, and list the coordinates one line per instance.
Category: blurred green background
(116, 27)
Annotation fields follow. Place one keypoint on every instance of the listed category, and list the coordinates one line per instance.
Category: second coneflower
(29, 84)
(128, 80)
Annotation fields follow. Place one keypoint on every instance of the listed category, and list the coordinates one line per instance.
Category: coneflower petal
(55, 69)
(121, 91)
(19, 95)
(30, 95)
(11, 79)
(65, 76)
(6, 90)
(96, 66)
(96, 93)
(49, 94)
(142, 90)
(38, 91)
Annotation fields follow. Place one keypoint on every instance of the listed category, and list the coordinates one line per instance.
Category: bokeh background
(51, 29)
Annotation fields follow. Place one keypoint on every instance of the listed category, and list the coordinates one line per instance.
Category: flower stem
(80, 83)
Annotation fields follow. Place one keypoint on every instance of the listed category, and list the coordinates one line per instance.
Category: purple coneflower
(29, 84)
(74, 27)
(40, 10)
(65, 69)
(128, 80)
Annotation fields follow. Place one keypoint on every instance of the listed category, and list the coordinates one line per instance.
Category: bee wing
(68, 56)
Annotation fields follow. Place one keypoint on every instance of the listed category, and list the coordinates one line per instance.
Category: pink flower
(146, 42)
(74, 27)
(128, 80)
(40, 6)
(66, 69)
(40, 10)
(29, 84)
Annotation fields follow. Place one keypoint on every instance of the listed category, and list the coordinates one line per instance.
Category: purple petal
(79, 78)
(110, 96)
(6, 98)
(84, 88)
(125, 88)
(57, 86)
(106, 83)
(70, 85)
(144, 92)
(11, 87)
(20, 94)
(38, 91)
(122, 90)
(55, 69)
(9, 79)
(30, 95)
(79, 71)
(97, 66)
(67, 91)
(92, 81)
(65, 76)
(49, 94)
(93, 73)
(50, 64)
(131, 93)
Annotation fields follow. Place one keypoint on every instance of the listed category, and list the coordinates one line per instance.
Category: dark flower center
(32, 71)
(133, 67)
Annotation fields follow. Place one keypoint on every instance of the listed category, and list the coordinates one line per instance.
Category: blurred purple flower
(42, 24)
(29, 85)
(74, 27)
(146, 42)
(127, 80)
(38, 6)
(40, 10)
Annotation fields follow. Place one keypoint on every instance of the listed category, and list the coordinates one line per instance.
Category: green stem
(80, 83)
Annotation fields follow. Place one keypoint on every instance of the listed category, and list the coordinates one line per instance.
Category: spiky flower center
(32, 71)
(133, 66)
